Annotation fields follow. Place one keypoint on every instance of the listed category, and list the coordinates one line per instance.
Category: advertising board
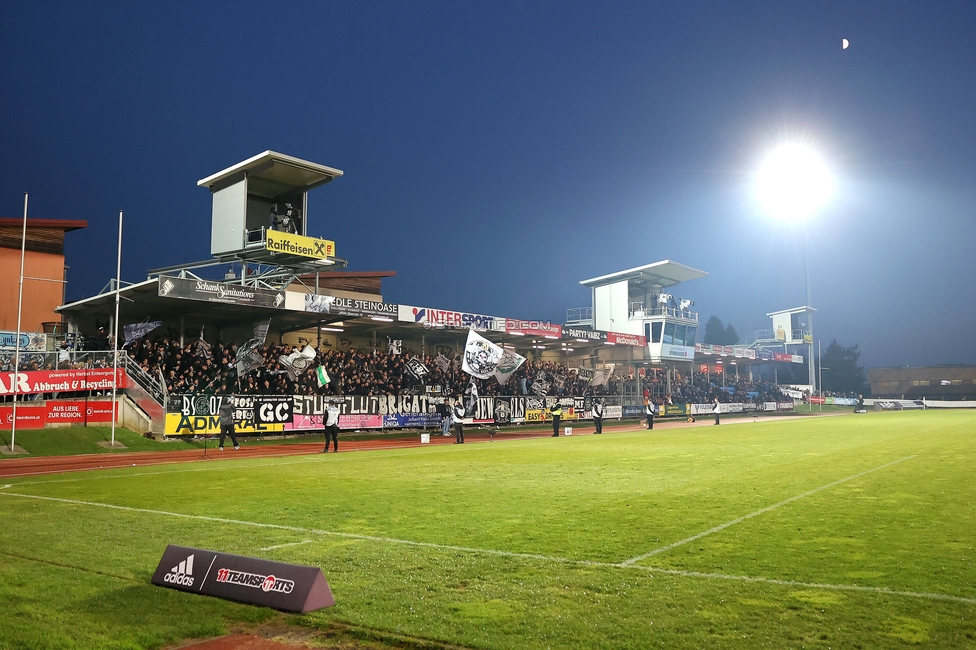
(33, 382)
(223, 292)
(277, 241)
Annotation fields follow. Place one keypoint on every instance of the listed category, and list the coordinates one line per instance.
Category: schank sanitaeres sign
(288, 587)
(213, 291)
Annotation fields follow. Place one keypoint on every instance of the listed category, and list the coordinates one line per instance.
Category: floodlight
(793, 182)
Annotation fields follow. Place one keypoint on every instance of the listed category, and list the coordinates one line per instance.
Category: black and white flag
(248, 357)
(481, 356)
(394, 346)
(417, 368)
(442, 362)
(136, 331)
(507, 365)
(297, 362)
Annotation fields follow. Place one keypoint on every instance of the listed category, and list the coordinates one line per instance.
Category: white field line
(761, 511)
(512, 554)
(277, 546)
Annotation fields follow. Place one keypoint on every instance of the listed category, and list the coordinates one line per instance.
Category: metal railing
(579, 315)
(637, 311)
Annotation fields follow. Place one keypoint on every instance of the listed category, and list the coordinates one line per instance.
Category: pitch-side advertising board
(287, 587)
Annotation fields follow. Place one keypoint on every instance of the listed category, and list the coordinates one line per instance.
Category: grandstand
(386, 364)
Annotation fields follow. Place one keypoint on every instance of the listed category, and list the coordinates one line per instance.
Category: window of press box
(668, 333)
(653, 332)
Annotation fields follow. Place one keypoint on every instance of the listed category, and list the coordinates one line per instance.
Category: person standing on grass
(717, 410)
(556, 411)
(226, 415)
(598, 415)
(457, 417)
(331, 428)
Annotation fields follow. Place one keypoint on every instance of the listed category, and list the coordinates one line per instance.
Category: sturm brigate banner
(270, 415)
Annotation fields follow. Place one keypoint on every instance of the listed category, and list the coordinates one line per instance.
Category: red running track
(15, 467)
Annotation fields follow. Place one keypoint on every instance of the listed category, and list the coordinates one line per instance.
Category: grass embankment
(821, 532)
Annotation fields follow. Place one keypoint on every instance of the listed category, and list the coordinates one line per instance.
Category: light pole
(792, 184)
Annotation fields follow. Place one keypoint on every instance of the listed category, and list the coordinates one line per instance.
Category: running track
(14, 467)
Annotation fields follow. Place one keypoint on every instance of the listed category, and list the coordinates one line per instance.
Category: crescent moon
(844, 43)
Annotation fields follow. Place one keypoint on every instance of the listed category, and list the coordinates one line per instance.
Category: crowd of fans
(203, 368)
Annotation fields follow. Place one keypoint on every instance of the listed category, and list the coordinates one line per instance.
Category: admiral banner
(212, 291)
(287, 587)
(197, 415)
(277, 241)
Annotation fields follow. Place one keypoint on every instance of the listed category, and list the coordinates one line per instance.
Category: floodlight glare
(793, 182)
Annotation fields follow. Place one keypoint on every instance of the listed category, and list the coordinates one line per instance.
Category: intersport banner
(33, 382)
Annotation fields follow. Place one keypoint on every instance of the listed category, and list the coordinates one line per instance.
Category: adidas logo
(181, 574)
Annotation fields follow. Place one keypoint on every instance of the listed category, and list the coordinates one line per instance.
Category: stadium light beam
(793, 182)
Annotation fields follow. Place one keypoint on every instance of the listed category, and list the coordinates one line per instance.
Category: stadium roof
(141, 301)
(664, 273)
(66, 225)
(271, 172)
(794, 310)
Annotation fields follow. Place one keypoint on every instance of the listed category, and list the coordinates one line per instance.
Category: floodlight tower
(792, 184)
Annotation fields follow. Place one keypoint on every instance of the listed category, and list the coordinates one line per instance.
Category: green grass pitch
(830, 532)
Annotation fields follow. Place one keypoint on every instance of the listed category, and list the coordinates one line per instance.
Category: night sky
(495, 154)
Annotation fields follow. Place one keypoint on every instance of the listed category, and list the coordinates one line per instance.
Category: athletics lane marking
(762, 511)
(527, 556)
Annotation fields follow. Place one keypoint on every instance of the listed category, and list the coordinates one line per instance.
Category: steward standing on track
(598, 415)
(331, 428)
(226, 414)
(457, 417)
(556, 411)
(717, 409)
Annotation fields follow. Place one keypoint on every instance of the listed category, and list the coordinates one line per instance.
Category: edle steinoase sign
(288, 587)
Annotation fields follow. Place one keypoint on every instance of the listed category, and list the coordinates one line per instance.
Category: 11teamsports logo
(255, 580)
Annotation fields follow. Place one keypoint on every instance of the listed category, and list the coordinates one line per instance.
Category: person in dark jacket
(226, 414)
(457, 417)
(598, 415)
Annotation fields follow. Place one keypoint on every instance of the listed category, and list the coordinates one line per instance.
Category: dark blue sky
(497, 153)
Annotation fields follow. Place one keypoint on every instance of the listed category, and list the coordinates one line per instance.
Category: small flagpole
(115, 342)
(20, 305)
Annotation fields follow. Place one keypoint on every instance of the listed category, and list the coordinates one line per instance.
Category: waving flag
(481, 356)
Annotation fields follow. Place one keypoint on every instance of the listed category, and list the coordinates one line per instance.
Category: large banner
(267, 415)
(349, 307)
(29, 341)
(33, 382)
(442, 318)
(212, 291)
(277, 241)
